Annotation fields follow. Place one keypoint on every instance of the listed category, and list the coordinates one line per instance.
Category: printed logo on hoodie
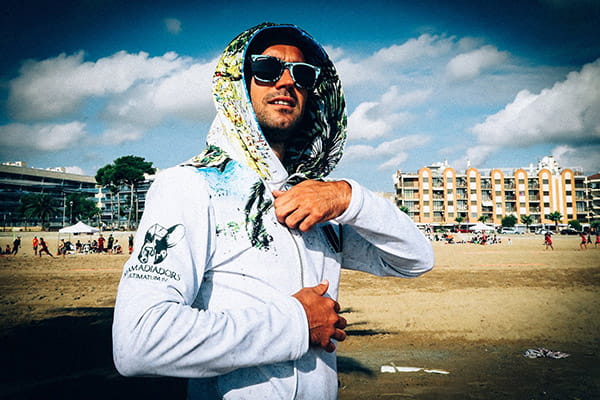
(156, 242)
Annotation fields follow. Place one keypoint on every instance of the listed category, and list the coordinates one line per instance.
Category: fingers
(311, 202)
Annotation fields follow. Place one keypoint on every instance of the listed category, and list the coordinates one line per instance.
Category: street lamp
(71, 211)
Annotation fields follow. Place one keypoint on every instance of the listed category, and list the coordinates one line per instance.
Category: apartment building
(593, 185)
(440, 194)
(17, 180)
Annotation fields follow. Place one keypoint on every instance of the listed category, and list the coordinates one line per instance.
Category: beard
(277, 135)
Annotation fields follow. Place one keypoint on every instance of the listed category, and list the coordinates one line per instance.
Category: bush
(509, 221)
(575, 224)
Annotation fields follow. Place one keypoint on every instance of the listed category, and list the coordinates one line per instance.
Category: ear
(175, 234)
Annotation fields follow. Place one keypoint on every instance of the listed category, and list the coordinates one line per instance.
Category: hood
(318, 144)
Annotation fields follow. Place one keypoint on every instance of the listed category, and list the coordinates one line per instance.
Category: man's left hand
(311, 202)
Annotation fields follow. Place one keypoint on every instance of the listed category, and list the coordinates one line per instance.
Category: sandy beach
(469, 321)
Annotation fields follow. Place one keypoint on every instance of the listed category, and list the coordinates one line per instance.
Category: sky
(480, 83)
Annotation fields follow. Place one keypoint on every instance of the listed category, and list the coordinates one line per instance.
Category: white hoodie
(207, 293)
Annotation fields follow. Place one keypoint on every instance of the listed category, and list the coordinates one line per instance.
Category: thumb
(322, 287)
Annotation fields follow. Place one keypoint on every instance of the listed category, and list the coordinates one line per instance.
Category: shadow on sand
(70, 357)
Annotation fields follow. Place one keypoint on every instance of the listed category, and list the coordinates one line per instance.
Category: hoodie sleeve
(156, 328)
(380, 239)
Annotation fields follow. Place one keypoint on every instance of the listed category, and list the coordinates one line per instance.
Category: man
(100, 244)
(16, 245)
(235, 273)
(34, 243)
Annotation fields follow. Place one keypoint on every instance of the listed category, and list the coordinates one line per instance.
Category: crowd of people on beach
(476, 238)
(100, 245)
(485, 238)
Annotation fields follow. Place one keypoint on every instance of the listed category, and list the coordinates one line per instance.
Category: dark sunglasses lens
(266, 69)
(305, 76)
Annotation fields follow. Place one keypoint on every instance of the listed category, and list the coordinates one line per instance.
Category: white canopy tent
(481, 227)
(79, 227)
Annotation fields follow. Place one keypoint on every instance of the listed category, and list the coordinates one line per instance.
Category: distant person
(117, 249)
(34, 244)
(8, 249)
(16, 245)
(78, 246)
(109, 243)
(130, 243)
(597, 239)
(101, 244)
(44, 248)
(548, 241)
(62, 248)
(583, 244)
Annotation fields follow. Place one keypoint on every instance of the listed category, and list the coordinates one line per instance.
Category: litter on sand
(393, 369)
(541, 352)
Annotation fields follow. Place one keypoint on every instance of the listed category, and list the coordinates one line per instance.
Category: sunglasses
(268, 69)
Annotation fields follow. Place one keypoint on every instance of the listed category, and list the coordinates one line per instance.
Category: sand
(473, 316)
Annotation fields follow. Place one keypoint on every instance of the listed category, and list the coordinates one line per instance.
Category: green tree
(459, 219)
(126, 170)
(509, 221)
(527, 220)
(404, 209)
(81, 207)
(595, 225)
(555, 217)
(575, 224)
(105, 176)
(39, 207)
(482, 219)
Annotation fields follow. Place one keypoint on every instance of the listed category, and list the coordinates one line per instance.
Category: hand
(311, 202)
(324, 323)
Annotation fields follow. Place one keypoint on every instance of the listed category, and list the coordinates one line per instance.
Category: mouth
(283, 101)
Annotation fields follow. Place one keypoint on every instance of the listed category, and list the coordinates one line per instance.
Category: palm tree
(527, 220)
(39, 206)
(404, 209)
(555, 217)
(482, 219)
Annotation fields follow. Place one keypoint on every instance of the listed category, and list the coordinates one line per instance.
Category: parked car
(543, 231)
(569, 231)
(512, 231)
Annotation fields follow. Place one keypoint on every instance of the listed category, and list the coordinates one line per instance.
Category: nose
(286, 79)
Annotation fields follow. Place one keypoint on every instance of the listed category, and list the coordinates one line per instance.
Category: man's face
(279, 106)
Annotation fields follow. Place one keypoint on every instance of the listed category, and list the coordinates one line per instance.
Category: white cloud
(74, 170)
(424, 46)
(185, 93)
(394, 152)
(584, 157)
(56, 87)
(470, 65)
(121, 134)
(565, 113)
(173, 25)
(334, 53)
(385, 65)
(372, 120)
(43, 137)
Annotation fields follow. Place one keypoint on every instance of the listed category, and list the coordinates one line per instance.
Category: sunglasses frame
(285, 65)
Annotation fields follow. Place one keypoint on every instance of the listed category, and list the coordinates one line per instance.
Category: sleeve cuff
(302, 327)
(356, 203)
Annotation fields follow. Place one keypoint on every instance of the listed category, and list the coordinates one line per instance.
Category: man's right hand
(324, 323)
